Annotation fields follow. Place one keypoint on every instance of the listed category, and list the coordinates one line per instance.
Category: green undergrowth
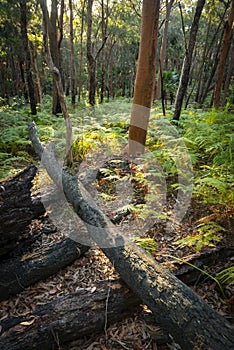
(206, 136)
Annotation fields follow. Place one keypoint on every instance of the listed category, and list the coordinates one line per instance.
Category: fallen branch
(192, 323)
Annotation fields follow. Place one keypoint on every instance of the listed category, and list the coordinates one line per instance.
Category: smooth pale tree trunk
(184, 77)
(145, 77)
(163, 48)
(222, 58)
(30, 83)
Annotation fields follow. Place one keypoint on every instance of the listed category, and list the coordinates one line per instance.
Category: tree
(184, 77)
(163, 48)
(80, 75)
(105, 15)
(90, 55)
(144, 83)
(72, 63)
(223, 55)
(57, 78)
(55, 43)
(30, 83)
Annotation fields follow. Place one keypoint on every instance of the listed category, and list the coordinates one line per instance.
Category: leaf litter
(133, 333)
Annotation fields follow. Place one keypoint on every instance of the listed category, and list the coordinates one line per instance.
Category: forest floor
(137, 332)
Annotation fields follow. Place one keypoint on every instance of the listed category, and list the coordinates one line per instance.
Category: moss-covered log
(192, 322)
(76, 315)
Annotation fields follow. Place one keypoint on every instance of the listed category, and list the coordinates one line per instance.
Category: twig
(106, 317)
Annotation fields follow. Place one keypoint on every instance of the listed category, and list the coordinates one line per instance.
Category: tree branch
(181, 312)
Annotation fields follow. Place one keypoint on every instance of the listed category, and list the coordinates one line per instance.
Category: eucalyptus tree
(168, 6)
(30, 82)
(72, 63)
(144, 84)
(184, 77)
(57, 78)
(55, 31)
(223, 55)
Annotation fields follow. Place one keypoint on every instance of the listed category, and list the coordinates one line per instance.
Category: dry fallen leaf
(116, 286)
(27, 323)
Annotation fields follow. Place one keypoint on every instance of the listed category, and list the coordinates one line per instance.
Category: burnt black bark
(28, 268)
(17, 207)
(192, 322)
(76, 315)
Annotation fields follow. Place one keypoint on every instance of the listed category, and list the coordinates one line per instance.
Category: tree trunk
(230, 72)
(31, 90)
(54, 49)
(145, 78)
(222, 58)
(74, 316)
(163, 48)
(27, 268)
(90, 55)
(38, 89)
(23, 85)
(184, 77)
(72, 60)
(178, 309)
(17, 208)
(105, 15)
(80, 82)
(57, 77)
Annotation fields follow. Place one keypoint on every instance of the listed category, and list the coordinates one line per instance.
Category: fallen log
(17, 207)
(74, 316)
(191, 322)
(18, 273)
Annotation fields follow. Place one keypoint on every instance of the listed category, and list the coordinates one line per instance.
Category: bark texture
(223, 55)
(184, 78)
(18, 273)
(18, 208)
(145, 78)
(28, 61)
(57, 77)
(76, 315)
(192, 322)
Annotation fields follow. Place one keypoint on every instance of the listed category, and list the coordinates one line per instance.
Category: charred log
(18, 273)
(17, 208)
(68, 318)
(192, 322)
